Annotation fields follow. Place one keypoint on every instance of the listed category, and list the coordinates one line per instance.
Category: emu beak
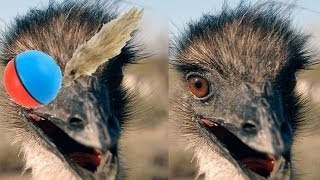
(262, 129)
(257, 138)
(81, 129)
(261, 121)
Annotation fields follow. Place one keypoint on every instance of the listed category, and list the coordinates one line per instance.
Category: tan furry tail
(104, 45)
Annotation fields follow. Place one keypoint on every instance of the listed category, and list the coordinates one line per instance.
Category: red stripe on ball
(15, 89)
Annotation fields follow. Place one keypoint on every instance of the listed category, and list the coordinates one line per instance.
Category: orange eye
(198, 86)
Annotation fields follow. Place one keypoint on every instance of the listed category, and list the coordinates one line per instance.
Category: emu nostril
(76, 123)
(250, 128)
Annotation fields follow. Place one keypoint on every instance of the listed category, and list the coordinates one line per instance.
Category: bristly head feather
(251, 43)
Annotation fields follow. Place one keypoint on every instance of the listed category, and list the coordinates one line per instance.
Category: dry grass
(145, 153)
(308, 157)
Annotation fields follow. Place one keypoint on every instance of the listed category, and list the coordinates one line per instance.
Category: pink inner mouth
(257, 162)
(85, 157)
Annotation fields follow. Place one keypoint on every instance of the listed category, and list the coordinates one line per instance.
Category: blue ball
(39, 74)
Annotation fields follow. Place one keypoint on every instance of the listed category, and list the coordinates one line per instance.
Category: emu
(234, 101)
(75, 136)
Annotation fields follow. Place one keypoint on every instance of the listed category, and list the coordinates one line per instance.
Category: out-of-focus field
(307, 145)
(145, 143)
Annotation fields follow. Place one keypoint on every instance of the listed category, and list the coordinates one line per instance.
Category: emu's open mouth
(83, 156)
(247, 158)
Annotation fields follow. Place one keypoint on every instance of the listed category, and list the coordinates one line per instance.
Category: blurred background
(145, 146)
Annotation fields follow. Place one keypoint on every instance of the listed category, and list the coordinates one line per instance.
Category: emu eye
(198, 86)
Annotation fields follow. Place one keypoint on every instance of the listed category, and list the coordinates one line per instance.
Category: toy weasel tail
(103, 46)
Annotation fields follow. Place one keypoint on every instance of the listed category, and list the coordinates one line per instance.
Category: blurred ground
(144, 144)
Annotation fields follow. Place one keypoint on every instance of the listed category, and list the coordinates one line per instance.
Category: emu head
(76, 135)
(234, 99)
